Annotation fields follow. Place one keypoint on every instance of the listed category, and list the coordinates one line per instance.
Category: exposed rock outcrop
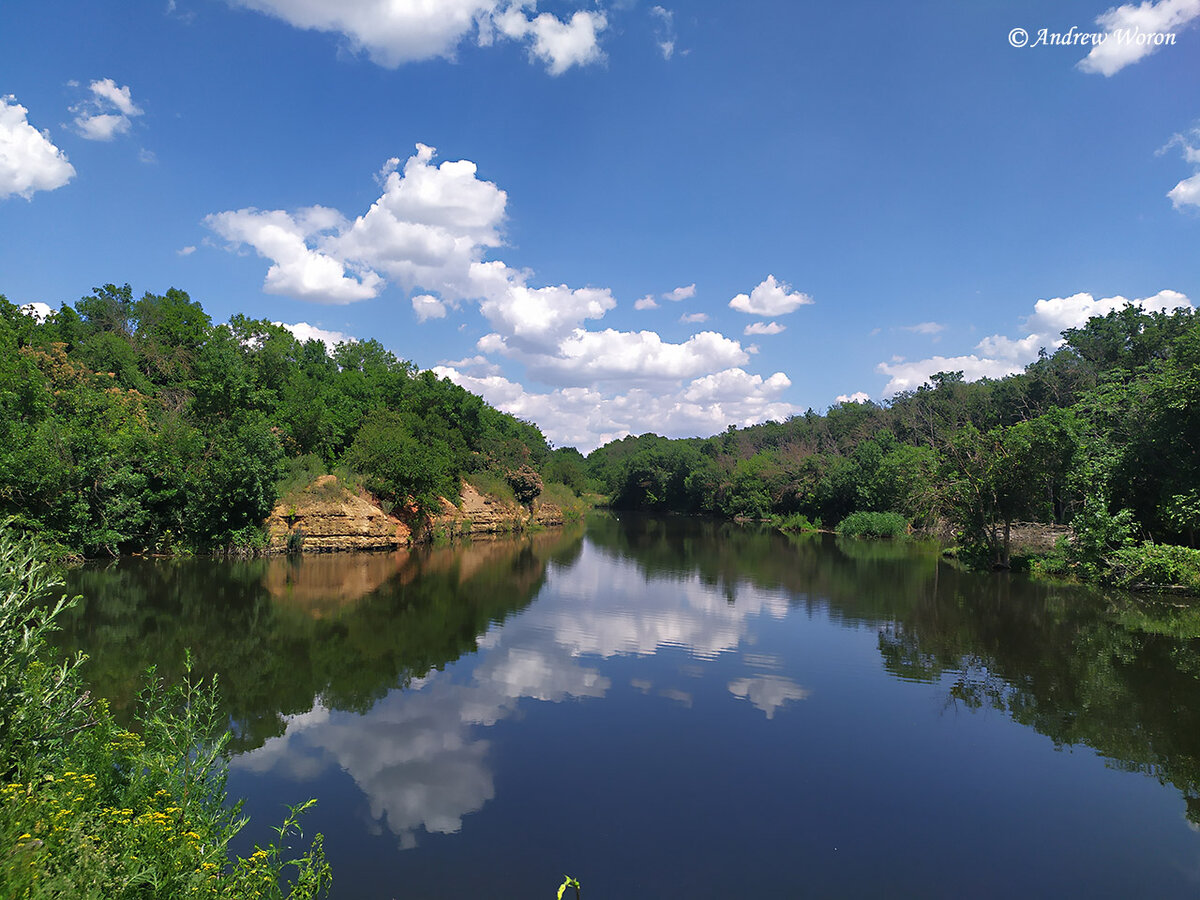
(483, 514)
(332, 518)
(329, 517)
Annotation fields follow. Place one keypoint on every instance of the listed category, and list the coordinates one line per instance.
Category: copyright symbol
(1018, 37)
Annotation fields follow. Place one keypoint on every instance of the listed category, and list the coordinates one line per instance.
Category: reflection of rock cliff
(323, 585)
(330, 517)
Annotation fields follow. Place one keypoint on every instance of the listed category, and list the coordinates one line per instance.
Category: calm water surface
(686, 709)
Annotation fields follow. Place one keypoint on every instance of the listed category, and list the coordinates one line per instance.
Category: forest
(1100, 435)
(137, 425)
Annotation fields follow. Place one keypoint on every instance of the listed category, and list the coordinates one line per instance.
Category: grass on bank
(874, 525)
(93, 811)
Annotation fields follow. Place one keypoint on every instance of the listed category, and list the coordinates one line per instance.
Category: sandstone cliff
(330, 518)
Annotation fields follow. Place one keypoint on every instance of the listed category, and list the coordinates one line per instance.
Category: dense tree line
(1104, 431)
(137, 424)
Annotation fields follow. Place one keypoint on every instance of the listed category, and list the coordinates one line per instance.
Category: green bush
(1097, 534)
(798, 523)
(874, 524)
(1056, 564)
(91, 810)
(298, 473)
(1161, 565)
(572, 505)
(526, 484)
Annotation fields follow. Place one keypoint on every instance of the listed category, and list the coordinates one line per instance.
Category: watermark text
(1129, 37)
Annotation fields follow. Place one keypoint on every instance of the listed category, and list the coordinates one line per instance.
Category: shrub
(1161, 565)
(526, 484)
(91, 810)
(298, 473)
(572, 505)
(798, 523)
(874, 524)
(1056, 564)
(1096, 535)
(295, 541)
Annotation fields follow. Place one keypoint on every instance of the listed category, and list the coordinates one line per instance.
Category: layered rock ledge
(327, 517)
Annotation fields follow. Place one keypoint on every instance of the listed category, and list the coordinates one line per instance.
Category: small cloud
(924, 328)
(304, 332)
(1187, 192)
(856, 397)
(185, 16)
(770, 298)
(107, 113)
(664, 31)
(681, 293)
(764, 328)
(478, 366)
(428, 307)
(557, 43)
(38, 310)
(694, 317)
(646, 302)
(186, 251)
(147, 156)
(1127, 28)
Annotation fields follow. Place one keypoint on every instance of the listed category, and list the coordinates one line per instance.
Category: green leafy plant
(91, 810)
(874, 524)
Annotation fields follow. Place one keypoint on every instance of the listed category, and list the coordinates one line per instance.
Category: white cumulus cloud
(560, 45)
(394, 32)
(764, 328)
(297, 269)
(37, 310)
(770, 298)
(108, 112)
(856, 397)
(1187, 192)
(646, 302)
(692, 318)
(427, 306)
(997, 355)
(585, 417)
(304, 332)
(430, 232)
(29, 161)
(681, 293)
(1126, 28)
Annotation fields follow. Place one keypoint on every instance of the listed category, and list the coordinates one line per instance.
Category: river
(679, 708)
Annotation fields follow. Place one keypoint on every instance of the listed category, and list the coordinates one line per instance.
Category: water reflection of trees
(281, 633)
(1120, 676)
(1115, 673)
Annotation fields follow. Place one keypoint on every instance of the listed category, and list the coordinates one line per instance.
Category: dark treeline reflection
(1114, 672)
(282, 632)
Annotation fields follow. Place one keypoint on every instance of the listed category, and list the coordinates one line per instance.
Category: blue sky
(615, 217)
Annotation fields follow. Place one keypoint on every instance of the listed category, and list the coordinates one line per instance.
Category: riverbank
(327, 516)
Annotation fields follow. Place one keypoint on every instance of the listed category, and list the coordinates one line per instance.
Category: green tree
(400, 467)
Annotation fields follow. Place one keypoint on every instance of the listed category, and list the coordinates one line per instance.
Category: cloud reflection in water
(418, 755)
